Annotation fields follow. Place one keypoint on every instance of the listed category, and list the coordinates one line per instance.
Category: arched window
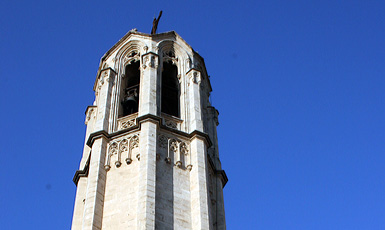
(170, 89)
(130, 89)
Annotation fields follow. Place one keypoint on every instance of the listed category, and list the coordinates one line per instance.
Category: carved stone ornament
(134, 142)
(183, 148)
(124, 147)
(176, 151)
(100, 82)
(127, 124)
(169, 55)
(113, 148)
(150, 61)
(145, 62)
(178, 164)
(189, 167)
(132, 56)
(162, 141)
(171, 124)
(89, 114)
(195, 78)
(174, 145)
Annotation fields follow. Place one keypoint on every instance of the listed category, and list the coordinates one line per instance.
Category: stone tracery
(122, 147)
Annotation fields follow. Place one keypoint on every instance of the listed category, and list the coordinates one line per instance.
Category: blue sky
(299, 86)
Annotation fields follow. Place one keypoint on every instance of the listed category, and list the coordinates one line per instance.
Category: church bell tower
(150, 158)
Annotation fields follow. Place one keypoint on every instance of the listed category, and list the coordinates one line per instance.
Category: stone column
(194, 98)
(148, 85)
(198, 185)
(220, 206)
(79, 205)
(147, 176)
(93, 211)
(103, 92)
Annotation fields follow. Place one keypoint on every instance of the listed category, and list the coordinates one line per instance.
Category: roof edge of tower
(135, 32)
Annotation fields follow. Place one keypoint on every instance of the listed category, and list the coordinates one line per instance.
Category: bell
(130, 104)
(130, 99)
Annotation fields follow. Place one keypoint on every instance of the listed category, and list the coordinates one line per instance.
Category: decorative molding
(91, 110)
(218, 172)
(127, 124)
(127, 121)
(171, 121)
(177, 151)
(169, 55)
(137, 127)
(183, 148)
(145, 48)
(132, 56)
(194, 75)
(121, 147)
(162, 141)
(171, 124)
(83, 172)
(150, 59)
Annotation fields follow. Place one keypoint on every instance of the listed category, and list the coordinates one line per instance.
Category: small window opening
(170, 89)
(130, 89)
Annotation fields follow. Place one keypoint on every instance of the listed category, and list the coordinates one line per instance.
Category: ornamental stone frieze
(175, 151)
(122, 148)
(150, 160)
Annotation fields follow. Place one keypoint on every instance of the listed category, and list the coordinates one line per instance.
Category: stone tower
(150, 158)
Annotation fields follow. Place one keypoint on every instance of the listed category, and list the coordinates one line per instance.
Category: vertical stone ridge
(147, 176)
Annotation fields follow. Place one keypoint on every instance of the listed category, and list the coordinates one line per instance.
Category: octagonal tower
(150, 158)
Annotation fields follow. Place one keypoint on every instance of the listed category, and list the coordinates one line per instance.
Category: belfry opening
(150, 159)
(170, 92)
(130, 89)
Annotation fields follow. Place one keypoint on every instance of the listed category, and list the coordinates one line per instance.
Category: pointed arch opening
(130, 89)
(170, 92)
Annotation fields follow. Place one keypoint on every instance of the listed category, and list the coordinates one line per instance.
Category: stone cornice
(137, 127)
(83, 172)
(100, 72)
(89, 107)
(97, 135)
(158, 120)
(219, 172)
(192, 70)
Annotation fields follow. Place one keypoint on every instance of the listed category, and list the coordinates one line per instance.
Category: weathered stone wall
(121, 195)
(172, 208)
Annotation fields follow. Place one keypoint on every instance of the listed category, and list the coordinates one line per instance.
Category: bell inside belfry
(130, 101)
(130, 90)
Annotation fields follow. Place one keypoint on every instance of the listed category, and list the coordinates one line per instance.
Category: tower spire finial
(155, 23)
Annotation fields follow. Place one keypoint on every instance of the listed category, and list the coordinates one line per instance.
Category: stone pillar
(148, 85)
(103, 92)
(198, 185)
(194, 98)
(79, 204)
(147, 176)
(93, 211)
(220, 206)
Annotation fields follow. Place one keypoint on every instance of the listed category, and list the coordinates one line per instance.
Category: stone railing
(171, 121)
(127, 121)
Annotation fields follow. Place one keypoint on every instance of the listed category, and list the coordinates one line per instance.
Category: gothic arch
(172, 57)
(127, 63)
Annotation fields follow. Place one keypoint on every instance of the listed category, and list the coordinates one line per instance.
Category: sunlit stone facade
(150, 158)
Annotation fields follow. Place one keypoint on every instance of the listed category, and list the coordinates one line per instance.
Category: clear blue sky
(299, 86)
